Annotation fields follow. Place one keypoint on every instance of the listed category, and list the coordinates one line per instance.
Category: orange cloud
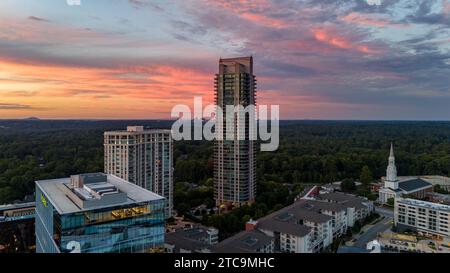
(326, 36)
(71, 92)
(263, 20)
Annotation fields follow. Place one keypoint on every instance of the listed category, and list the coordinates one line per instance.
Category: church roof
(414, 184)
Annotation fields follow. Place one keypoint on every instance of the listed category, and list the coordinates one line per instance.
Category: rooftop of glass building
(92, 191)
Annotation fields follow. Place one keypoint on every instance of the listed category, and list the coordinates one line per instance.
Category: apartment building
(303, 227)
(357, 207)
(312, 223)
(143, 157)
(234, 159)
(337, 212)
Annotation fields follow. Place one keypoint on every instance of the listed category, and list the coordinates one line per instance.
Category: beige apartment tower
(234, 159)
(143, 157)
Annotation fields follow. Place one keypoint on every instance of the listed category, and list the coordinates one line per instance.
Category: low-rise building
(357, 207)
(195, 239)
(309, 225)
(17, 234)
(423, 217)
(304, 227)
(249, 241)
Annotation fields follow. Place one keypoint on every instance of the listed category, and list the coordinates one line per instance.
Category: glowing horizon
(136, 59)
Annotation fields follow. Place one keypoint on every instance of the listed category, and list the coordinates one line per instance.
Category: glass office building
(97, 213)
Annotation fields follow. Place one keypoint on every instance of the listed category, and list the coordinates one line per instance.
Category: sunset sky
(317, 59)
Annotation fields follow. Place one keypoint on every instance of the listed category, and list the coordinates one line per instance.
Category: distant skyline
(136, 59)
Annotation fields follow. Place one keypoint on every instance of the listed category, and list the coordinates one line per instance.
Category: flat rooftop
(17, 206)
(138, 130)
(244, 242)
(106, 191)
(345, 199)
(424, 204)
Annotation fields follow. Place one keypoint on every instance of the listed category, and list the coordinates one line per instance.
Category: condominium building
(299, 228)
(309, 225)
(421, 216)
(143, 157)
(234, 157)
(357, 208)
(97, 213)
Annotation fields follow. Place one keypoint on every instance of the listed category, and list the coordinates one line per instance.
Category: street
(384, 212)
(381, 226)
(371, 233)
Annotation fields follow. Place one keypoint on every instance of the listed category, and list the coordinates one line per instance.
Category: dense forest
(309, 152)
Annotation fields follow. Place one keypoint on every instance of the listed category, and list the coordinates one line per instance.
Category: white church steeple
(391, 172)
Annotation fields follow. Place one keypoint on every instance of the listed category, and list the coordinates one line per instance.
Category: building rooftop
(413, 184)
(92, 191)
(344, 199)
(244, 242)
(179, 241)
(194, 239)
(289, 219)
(318, 206)
(425, 204)
(432, 179)
(17, 206)
(137, 130)
(439, 197)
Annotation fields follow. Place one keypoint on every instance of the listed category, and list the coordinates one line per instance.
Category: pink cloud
(331, 38)
(252, 11)
(263, 20)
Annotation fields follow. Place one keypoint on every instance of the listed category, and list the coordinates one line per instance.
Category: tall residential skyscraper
(143, 157)
(234, 166)
(97, 213)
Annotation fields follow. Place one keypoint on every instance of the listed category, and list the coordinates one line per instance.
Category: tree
(390, 202)
(348, 185)
(366, 175)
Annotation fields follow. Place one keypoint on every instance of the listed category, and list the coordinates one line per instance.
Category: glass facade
(132, 228)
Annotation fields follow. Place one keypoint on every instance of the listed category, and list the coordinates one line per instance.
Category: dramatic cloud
(138, 58)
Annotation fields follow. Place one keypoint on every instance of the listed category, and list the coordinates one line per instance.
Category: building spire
(391, 172)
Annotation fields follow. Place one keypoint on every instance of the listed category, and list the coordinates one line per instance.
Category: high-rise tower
(234, 159)
(143, 157)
